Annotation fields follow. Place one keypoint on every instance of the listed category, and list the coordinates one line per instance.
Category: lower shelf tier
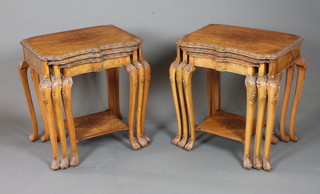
(226, 124)
(97, 124)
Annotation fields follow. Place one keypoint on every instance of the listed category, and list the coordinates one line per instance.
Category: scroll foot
(64, 163)
(286, 138)
(135, 145)
(147, 139)
(32, 137)
(74, 160)
(274, 140)
(55, 164)
(182, 143)
(247, 163)
(44, 138)
(142, 142)
(189, 145)
(176, 140)
(267, 165)
(294, 138)
(257, 163)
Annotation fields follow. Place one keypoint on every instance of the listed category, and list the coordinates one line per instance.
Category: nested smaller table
(57, 58)
(261, 56)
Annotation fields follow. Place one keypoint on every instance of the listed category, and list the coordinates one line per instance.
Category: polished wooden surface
(225, 124)
(250, 42)
(261, 56)
(61, 45)
(97, 124)
(57, 58)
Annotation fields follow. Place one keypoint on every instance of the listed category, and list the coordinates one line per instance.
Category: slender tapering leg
(187, 79)
(67, 102)
(273, 87)
(262, 100)
(301, 67)
(141, 82)
(179, 80)
(287, 90)
(209, 96)
(113, 91)
(23, 70)
(147, 78)
(251, 104)
(45, 85)
(172, 75)
(133, 77)
(36, 81)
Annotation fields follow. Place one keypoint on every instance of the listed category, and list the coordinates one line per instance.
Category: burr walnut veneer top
(255, 43)
(61, 45)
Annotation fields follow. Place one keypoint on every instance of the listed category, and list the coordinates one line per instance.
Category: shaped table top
(62, 45)
(255, 43)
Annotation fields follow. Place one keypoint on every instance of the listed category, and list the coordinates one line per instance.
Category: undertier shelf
(97, 124)
(226, 124)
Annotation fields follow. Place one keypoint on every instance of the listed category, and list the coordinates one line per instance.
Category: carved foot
(147, 139)
(267, 165)
(142, 142)
(189, 145)
(182, 143)
(274, 140)
(32, 137)
(134, 144)
(44, 138)
(74, 160)
(294, 138)
(64, 163)
(247, 163)
(286, 138)
(55, 164)
(257, 163)
(176, 140)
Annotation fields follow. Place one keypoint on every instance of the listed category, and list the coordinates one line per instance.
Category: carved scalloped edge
(96, 60)
(134, 42)
(224, 54)
(243, 52)
(93, 55)
(224, 60)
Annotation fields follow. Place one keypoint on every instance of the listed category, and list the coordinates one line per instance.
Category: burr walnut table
(57, 58)
(261, 56)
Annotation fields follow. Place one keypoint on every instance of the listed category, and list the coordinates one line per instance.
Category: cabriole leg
(187, 79)
(251, 104)
(45, 85)
(179, 80)
(133, 77)
(287, 90)
(301, 67)
(273, 87)
(23, 70)
(67, 101)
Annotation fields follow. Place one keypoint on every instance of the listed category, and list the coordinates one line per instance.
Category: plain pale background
(107, 164)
